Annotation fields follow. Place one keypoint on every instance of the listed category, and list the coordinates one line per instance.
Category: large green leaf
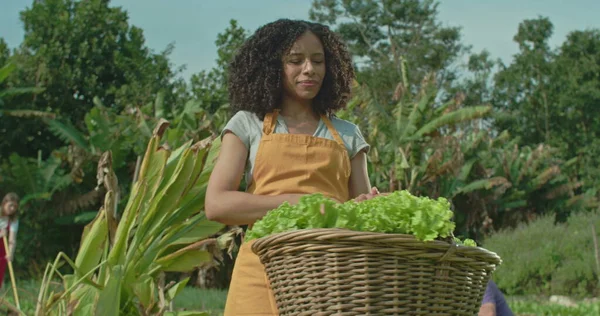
(136, 199)
(199, 231)
(76, 219)
(35, 196)
(168, 199)
(454, 117)
(109, 302)
(159, 105)
(144, 289)
(184, 261)
(186, 233)
(414, 118)
(6, 70)
(483, 184)
(68, 133)
(18, 91)
(173, 162)
(465, 170)
(85, 296)
(92, 244)
(177, 288)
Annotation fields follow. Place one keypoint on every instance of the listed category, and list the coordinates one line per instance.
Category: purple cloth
(493, 295)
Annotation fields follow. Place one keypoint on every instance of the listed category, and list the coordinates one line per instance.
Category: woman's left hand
(363, 197)
(8, 257)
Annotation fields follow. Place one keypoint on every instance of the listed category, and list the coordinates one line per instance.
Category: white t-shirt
(14, 225)
(248, 127)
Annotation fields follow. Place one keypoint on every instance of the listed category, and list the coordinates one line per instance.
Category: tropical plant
(121, 264)
(5, 71)
(403, 135)
(529, 182)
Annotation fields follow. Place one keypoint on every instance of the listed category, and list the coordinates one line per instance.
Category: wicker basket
(341, 272)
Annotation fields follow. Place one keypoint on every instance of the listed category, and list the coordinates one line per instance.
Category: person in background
(493, 303)
(9, 224)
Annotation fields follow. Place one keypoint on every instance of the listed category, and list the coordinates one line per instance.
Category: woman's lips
(308, 83)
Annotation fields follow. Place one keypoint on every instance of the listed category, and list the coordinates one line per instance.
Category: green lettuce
(397, 213)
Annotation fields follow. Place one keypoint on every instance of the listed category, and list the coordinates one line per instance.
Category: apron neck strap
(333, 131)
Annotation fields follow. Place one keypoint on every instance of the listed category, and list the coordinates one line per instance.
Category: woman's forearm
(241, 208)
(12, 242)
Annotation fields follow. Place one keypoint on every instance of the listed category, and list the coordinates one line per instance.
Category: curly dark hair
(255, 74)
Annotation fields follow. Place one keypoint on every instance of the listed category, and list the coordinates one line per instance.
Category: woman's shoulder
(245, 116)
(244, 124)
(244, 119)
(346, 127)
(351, 135)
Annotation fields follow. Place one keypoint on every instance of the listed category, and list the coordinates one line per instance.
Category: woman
(285, 83)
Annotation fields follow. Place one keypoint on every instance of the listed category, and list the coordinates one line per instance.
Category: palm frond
(6, 70)
(49, 171)
(28, 113)
(18, 91)
(68, 133)
(484, 184)
(84, 201)
(454, 117)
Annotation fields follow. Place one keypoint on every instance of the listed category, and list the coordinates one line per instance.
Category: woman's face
(304, 67)
(9, 208)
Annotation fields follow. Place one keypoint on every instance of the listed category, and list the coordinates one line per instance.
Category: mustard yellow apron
(284, 164)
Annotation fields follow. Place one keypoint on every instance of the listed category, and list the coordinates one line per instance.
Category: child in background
(9, 224)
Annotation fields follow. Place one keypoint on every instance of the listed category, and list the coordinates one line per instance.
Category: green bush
(544, 258)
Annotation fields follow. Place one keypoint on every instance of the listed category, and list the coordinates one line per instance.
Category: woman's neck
(298, 109)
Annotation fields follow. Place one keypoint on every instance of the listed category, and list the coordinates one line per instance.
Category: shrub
(545, 258)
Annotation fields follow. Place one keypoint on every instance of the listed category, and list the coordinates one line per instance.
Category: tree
(384, 34)
(576, 121)
(210, 88)
(551, 96)
(523, 89)
(79, 50)
(4, 52)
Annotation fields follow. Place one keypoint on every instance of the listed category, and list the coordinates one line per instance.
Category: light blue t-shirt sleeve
(359, 143)
(240, 125)
(351, 135)
(14, 225)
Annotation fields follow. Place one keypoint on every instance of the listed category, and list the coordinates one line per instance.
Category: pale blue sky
(194, 24)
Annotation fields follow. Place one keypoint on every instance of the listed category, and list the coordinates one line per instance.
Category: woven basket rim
(262, 246)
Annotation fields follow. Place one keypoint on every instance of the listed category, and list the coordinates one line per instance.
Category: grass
(209, 300)
(541, 307)
(213, 301)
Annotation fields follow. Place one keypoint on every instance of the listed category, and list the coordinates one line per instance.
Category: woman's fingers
(374, 191)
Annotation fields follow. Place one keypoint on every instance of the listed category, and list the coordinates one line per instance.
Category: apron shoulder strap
(269, 122)
(333, 131)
